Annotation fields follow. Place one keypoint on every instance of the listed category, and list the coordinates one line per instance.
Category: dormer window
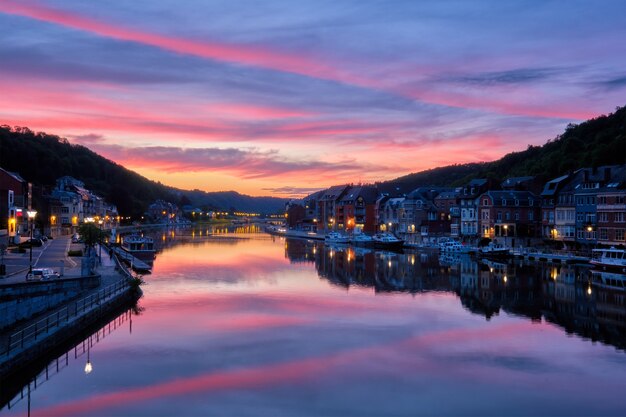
(516, 202)
(504, 202)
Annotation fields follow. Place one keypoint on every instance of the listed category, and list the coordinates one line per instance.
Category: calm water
(250, 324)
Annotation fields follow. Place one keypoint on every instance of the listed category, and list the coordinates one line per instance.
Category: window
(499, 216)
(601, 200)
(580, 217)
(503, 202)
(531, 216)
(485, 201)
(65, 210)
(619, 199)
(485, 215)
(516, 202)
(619, 217)
(619, 234)
(517, 215)
(603, 217)
(531, 202)
(507, 215)
(604, 235)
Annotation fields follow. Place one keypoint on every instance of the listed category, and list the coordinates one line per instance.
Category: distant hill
(41, 158)
(227, 200)
(596, 142)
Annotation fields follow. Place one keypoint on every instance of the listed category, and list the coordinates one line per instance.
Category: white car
(41, 274)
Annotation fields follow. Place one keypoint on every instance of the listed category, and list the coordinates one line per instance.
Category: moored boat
(361, 239)
(494, 250)
(611, 258)
(141, 247)
(454, 246)
(387, 241)
(336, 237)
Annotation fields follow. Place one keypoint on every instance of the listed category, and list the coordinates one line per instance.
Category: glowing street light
(31, 219)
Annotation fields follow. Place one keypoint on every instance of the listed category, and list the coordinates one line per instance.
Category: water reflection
(245, 323)
(20, 385)
(588, 303)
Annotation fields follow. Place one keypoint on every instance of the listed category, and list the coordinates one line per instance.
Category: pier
(134, 262)
(531, 254)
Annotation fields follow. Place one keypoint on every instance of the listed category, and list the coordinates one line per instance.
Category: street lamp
(31, 219)
(100, 222)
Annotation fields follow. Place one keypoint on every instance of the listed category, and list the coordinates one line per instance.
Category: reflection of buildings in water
(561, 294)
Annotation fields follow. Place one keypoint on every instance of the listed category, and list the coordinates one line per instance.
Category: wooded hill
(596, 142)
(41, 158)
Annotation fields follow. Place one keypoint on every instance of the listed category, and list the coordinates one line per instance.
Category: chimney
(607, 174)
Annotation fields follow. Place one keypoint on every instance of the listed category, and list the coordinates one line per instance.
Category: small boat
(494, 250)
(361, 239)
(387, 241)
(609, 259)
(454, 246)
(141, 247)
(336, 237)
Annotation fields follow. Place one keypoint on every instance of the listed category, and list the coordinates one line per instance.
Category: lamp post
(100, 222)
(31, 219)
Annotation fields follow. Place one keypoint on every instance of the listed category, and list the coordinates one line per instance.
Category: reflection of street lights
(88, 367)
(31, 219)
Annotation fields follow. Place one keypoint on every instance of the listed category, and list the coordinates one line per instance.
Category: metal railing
(54, 321)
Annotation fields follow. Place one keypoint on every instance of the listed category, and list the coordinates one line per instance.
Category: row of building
(584, 207)
(53, 212)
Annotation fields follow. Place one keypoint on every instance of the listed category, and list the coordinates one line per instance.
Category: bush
(78, 252)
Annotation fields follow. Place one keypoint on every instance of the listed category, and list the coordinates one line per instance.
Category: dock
(135, 263)
(554, 257)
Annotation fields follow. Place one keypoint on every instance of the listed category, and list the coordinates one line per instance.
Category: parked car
(76, 238)
(42, 274)
(31, 242)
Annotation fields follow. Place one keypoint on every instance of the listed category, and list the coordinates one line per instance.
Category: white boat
(141, 247)
(454, 246)
(361, 239)
(609, 259)
(494, 250)
(336, 237)
(387, 240)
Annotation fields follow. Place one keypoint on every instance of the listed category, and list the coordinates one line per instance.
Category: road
(53, 254)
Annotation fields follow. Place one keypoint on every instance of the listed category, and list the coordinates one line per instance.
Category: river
(239, 322)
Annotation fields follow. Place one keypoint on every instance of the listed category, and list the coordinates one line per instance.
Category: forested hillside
(596, 142)
(41, 158)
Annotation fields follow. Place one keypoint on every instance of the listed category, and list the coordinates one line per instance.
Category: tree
(91, 234)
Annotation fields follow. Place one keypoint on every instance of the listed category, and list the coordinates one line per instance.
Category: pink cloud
(264, 57)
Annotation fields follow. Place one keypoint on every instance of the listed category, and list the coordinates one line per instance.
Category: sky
(287, 97)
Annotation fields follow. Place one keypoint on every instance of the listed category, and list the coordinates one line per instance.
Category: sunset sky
(286, 97)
